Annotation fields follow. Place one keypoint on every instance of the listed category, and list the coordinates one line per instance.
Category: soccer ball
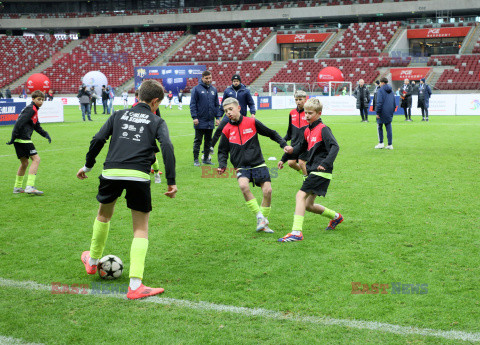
(110, 267)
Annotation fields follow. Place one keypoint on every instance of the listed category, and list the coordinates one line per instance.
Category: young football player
(240, 139)
(130, 156)
(296, 126)
(322, 148)
(27, 122)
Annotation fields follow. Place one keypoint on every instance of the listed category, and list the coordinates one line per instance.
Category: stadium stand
(222, 45)
(465, 75)
(364, 39)
(223, 72)
(115, 55)
(21, 54)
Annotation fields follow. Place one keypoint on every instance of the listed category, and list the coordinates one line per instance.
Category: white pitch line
(14, 341)
(274, 315)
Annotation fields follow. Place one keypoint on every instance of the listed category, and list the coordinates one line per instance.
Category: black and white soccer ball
(110, 267)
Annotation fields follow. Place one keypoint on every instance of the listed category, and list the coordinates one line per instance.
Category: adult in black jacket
(8, 93)
(131, 153)
(362, 95)
(377, 86)
(104, 99)
(406, 97)
(424, 93)
(204, 109)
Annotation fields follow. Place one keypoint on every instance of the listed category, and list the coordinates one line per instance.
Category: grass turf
(411, 216)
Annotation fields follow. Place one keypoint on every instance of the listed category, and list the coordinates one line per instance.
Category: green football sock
(19, 181)
(156, 165)
(297, 222)
(328, 213)
(138, 252)
(99, 238)
(265, 211)
(31, 180)
(253, 206)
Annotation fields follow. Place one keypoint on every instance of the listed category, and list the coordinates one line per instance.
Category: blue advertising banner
(174, 77)
(264, 102)
(9, 112)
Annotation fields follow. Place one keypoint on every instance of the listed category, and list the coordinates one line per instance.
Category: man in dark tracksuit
(240, 140)
(204, 109)
(406, 96)
(104, 99)
(424, 93)
(27, 122)
(238, 91)
(385, 109)
(131, 153)
(362, 95)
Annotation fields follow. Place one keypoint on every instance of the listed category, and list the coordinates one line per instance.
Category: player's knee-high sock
(329, 213)
(253, 206)
(156, 165)
(297, 224)
(265, 211)
(31, 180)
(138, 252)
(19, 181)
(99, 238)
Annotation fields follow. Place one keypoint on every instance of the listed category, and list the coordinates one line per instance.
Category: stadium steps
(385, 72)
(471, 40)
(394, 39)
(436, 73)
(44, 65)
(325, 48)
(162, 59)
(271, 36)
(258, 84)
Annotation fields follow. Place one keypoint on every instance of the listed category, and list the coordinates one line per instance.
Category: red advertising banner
(438, 32)
(303, 38)
(409, 73)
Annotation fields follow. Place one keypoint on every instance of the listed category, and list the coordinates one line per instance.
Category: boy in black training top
(240, 140)
(27, 122)
(322, 149)
(130, 155)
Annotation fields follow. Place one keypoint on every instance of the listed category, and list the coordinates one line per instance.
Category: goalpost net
(339, 88)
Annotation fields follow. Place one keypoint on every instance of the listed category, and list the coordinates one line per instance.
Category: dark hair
(37, 94)
(384, 80)
(149, 90)
(136, 93)
(377, 82)
(205, 73)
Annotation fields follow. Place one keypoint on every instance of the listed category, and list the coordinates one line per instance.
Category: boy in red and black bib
(240, 139)
(322, 149)
(27, 122)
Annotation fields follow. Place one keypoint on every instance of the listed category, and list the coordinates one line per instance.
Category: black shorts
(315, 184)
(25, 150)
(138, 193)
(303, 156)
(256, 175)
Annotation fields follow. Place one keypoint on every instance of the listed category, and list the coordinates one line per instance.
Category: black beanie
(236, 76)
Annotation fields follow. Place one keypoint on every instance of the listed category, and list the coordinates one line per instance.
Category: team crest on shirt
(313, 139)
(232, 136)
(213, 93)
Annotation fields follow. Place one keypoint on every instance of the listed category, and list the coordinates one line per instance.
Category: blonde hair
(313, 104)
(300, 94)
(230, 100)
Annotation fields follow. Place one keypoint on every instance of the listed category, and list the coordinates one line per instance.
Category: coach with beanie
(244, 97)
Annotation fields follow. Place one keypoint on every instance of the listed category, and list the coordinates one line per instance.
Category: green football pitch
(411, 226)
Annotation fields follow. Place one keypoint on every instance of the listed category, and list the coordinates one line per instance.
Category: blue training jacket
(243, 96)
(204, 105)
(385, 106)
